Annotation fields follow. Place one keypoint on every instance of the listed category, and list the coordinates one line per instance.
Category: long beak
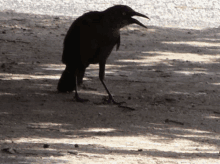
(136, 21)
(140, 15)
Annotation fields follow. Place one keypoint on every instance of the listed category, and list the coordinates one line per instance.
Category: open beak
(136, 21)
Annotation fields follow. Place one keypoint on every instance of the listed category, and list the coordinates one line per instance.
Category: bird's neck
(111, 22)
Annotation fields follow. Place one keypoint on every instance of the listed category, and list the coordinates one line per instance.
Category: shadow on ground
(171, 76)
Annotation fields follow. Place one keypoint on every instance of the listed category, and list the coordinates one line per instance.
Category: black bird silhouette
(90, 40)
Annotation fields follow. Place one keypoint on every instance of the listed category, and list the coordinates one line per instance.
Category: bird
(90, 40)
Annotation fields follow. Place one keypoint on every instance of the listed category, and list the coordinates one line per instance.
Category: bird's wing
(81, 30)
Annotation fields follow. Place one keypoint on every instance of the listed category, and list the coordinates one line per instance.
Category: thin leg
(80, 75)
(101, 77)
(110, 98)
(78, 99)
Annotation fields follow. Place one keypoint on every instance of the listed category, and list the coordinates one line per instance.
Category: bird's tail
(67, 81)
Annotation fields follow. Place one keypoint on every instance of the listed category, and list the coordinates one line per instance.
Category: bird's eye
(124, 13)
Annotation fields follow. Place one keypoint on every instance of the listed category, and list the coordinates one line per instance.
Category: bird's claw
(126, 107)
(111, 100)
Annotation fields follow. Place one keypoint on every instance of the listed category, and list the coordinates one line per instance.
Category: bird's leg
(80, 75)
(101, 77)
(78, 99)
(110, 97)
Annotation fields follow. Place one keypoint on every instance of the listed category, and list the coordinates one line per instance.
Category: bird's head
(121, 15)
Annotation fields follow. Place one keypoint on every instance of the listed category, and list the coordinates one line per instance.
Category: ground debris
(72, 152)
(172, 121)
(9, 150)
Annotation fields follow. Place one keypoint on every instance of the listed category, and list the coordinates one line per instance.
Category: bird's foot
(78, 99)
(111, 100)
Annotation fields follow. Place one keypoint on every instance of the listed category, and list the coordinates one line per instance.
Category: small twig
(216, 112)
(17, 19)
(126, 107)
(9, 150)
(172, 121)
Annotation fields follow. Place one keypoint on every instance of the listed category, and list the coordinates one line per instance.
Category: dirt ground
(170, 76)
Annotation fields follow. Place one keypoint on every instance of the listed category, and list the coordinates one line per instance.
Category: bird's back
(74, 37)
(86, 36)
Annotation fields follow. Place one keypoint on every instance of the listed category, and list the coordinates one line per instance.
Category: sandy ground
(170, 76)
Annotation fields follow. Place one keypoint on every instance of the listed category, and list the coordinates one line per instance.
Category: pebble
(46, 146)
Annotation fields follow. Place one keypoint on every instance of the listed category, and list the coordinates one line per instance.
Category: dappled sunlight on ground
(170, 77)
(145, 145)
(199, 43)
(7, 76)
(190, 57)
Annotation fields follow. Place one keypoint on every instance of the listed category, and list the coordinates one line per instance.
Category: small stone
(46, 146)
(76, 145)
(56, 18)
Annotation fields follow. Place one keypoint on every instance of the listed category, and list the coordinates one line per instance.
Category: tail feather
(67, 81)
